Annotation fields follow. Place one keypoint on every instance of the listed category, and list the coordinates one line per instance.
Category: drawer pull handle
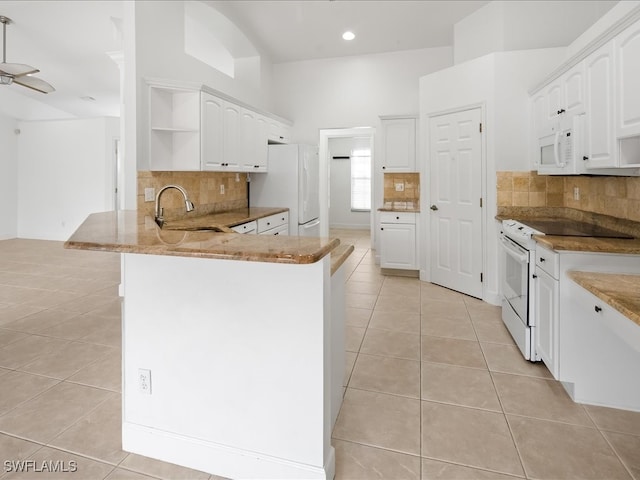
(542, 259)
(597, 309)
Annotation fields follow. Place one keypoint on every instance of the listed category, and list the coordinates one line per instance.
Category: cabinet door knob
(383, 167)
(381, 228)
(561, 111)
(397, 218)
(534, 276)
(433, 207)
(542, 259)
(597, 309)
(585, 158)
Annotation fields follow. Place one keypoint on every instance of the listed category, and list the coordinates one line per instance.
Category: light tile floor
(434, 386)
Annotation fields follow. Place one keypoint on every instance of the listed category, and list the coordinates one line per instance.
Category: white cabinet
(174, 128)
(398, 240)
(248, 227)
(196, 130)
(562, 98)
(603, 345)
(627, 48)
(212, 138)
(599, 132)
(253, 141)
(546, 310)
(277, 224)
(398, 144)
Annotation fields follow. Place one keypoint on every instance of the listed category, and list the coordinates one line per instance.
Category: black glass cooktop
(572, 228)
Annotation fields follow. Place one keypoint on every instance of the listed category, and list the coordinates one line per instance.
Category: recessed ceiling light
(348, 35)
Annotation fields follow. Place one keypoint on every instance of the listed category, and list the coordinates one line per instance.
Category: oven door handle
(521, 257)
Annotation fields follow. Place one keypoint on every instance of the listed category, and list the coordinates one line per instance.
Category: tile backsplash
(411, 185)
(203, 189)
(614, 196)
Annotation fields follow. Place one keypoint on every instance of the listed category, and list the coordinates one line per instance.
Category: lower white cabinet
(398, 240)
(546, 315)
(599, 355)
(249, 227)
(277, 224)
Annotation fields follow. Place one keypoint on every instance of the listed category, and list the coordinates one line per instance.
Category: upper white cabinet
(599, 133)
(627, 48)
(191, 129)
(174, 129)
(598, 87)
(398, 144)
(212, 110)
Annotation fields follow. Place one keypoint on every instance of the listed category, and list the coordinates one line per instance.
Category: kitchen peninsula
(231, 345)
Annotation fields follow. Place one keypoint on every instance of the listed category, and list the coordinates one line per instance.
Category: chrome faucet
(187, 203)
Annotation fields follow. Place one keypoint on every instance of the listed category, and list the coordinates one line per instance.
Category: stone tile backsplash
(411, 182)
(203, 189)
(614, 196)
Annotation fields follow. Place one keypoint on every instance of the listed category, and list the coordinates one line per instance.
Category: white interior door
(456, 190)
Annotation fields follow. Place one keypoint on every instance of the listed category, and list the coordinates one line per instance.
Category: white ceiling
(69, 40)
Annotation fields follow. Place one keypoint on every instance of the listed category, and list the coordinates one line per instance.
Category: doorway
(337, 139)
(350, 183)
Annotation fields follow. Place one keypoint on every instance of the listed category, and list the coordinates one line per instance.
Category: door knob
(434, 208)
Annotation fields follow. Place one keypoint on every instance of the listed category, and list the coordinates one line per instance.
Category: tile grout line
(504, 415)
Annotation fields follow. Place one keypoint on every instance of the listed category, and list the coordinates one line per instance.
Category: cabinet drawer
(249, 227)
(279, 230)
(272, 221)
(398, 217)
(548, 260)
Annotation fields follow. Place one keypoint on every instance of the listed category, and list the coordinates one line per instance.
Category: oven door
(515, 276)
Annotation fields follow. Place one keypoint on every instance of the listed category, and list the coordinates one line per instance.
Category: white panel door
(456, 215)
(211, 138)
(628, 93)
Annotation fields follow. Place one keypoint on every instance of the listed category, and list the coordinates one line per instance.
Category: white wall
(340, 214)
(498, 82)
(65, 173)
(160, 54)
(8, 178)
(350, 92)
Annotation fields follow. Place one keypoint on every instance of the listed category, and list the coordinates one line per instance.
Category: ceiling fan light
(6, 79)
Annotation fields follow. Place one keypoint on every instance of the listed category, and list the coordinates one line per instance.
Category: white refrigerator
(292, 181)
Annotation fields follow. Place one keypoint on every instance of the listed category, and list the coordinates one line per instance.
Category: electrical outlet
(149, 194)
(399, 187)
(576, 193)
(237, 177)
(222, 189)
(144, 381)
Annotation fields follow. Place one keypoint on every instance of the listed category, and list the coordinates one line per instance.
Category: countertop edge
(586, 281)
(339, 255)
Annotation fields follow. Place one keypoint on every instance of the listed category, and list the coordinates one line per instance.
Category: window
(361, 180)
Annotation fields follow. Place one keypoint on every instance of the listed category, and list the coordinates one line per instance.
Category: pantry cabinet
(398, 143)
(398, 240)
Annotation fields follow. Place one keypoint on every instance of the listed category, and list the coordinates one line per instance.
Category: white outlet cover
(222, 189)
(399, 187)
(149, 194)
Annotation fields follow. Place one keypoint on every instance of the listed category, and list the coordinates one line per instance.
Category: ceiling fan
(18, 72)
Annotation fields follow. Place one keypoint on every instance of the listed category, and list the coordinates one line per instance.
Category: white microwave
(559, 151)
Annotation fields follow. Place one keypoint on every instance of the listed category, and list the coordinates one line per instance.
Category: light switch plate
(399, 187)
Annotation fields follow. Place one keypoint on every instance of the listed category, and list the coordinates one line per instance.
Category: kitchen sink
(211, 228)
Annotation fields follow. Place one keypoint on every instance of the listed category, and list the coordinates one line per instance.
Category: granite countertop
(578, 244)
(126, 231)
(339, 255)
(400, 207)
(618, 290)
